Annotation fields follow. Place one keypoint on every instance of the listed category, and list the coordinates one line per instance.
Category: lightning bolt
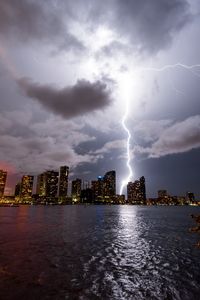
(125, 181)
(177, 65)
(125, 116)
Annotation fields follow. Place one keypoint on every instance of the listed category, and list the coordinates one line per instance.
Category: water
(98, 252)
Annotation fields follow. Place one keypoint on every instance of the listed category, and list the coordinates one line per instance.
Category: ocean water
(98, 252)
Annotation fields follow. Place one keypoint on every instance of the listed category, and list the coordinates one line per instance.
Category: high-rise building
(47, 184)
(94, 188)
(190, 197)
(97, 187)
(3, 176)
(76, 189)
(87, 196)
(26, 187)
(109, 186)
(136, 191)
(51, 183)
(17, 189)
(41, 184)
(105, 186)
(143, 189)
(63, 181)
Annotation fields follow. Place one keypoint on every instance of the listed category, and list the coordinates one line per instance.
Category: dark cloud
(72, 101)
(27, 20)
(151, 24)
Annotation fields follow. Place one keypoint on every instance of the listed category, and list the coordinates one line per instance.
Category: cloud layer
(149, 24)
(39, 21)
(78, 122)
(69, 102)
(42, 145)
(178, 138)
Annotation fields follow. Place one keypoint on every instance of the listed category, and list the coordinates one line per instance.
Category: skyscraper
(17, 189)
(63, 181)
(26, 187)
(47, 184)
(3, 176)
(143, 189)
(109, 183)
(76, 189)
(97, 188)
(41, 185)
(136, 191)
(51, 183)
(190, 197)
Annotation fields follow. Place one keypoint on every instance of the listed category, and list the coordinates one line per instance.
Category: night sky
(68, 70)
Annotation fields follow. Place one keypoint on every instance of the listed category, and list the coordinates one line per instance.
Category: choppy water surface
(98, 252)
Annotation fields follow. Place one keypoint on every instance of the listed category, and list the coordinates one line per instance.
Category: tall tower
(47, 184)
(110, 183)
(26, 187)
(136, 191)
(17, 189)
(63, 182)
(143, 190)
(3, 176)
(97, 188)
(51, 183)
(41, 185)
(76, 189)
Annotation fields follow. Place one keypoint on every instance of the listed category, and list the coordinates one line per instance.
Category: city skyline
(101, 86)
(49, 184)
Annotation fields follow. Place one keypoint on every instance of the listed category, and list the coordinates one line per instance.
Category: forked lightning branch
(190, 68)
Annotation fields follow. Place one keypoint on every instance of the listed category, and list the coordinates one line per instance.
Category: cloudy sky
(70, 71)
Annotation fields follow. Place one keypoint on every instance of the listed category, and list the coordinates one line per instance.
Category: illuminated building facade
(97, 187)
(47, 184)
(109, 185)
(51, 183)
(3, 176)
(41, 185)
(76, 189)
(104, 188)
(162, 193)
(26, 187)
(136, 191)
(63, 181)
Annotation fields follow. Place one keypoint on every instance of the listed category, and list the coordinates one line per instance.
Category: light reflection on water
(98, 252)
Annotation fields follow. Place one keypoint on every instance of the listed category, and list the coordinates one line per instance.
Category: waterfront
(98, 252)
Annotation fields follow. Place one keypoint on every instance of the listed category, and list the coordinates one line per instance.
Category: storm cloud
(51, 117)
(149, 25)
(178, 138)
(72, 101)
(39, 21)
